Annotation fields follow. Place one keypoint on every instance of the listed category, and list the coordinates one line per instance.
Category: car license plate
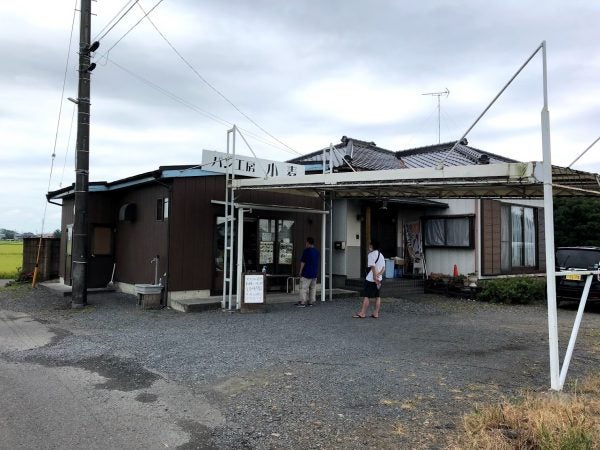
(573, 277)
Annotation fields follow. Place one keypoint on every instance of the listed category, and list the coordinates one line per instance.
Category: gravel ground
(314, 377)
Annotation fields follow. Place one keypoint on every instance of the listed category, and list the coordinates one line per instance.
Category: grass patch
(543, 420)
(11, 258)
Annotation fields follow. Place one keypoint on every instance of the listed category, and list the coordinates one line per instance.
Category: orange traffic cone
(455, 272)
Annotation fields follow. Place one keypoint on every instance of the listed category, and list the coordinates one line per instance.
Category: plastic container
(389, 268)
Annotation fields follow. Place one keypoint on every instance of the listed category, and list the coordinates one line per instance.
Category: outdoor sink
(148, 289)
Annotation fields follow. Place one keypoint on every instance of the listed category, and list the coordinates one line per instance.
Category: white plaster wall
(352, 241)
(339, 234)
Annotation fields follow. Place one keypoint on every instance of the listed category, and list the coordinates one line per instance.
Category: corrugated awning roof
(503, 180)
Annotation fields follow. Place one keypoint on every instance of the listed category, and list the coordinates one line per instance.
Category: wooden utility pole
(80, 226)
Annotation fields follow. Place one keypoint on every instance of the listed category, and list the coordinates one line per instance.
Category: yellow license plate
(573, 277)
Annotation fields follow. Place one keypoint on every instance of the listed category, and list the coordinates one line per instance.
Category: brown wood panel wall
(541, 240)
(137, 242)
(490, 238)
(193, 218)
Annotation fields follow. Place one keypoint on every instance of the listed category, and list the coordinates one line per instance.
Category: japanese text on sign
(247, 166)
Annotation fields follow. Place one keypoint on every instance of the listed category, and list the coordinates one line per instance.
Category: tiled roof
(462, 155)
(363, 155)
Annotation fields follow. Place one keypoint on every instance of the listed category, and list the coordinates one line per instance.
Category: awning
(505, 180)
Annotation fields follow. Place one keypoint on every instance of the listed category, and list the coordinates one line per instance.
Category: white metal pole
(240, 258)
(330, 246)
(569, 354)
(549, 226)
(323, 247)
(226, 224)
(232, 216)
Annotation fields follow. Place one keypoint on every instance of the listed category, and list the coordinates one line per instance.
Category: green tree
(56, 233)
(576, 221)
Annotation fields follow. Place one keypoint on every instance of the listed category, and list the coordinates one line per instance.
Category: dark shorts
(370, 289)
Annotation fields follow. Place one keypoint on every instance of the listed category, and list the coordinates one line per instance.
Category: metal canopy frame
(506, 180)
(231, 206)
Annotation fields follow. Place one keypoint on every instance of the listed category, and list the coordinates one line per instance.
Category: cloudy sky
(307, 71)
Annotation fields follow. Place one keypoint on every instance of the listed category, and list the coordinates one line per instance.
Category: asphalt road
(114, 376)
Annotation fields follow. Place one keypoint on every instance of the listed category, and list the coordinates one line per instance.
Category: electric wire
(218, 92)
(62, 175)
(131, 29)
(62, 98)
(115, 24)
(193, 107)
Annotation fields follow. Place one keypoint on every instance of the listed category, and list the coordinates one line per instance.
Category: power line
(193, 107)
(134, 25)
(62, 175)
(115, 24)
(214, 88)
(62, 97)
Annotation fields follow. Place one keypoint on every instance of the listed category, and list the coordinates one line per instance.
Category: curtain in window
(457, 232)
(529, 237)
(434, 232)
(517, 235)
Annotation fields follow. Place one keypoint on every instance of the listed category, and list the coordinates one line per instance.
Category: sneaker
(311, 304)
(300, 305)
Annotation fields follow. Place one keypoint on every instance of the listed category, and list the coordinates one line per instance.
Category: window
(453, 231)
(518, 247)
(162, 208)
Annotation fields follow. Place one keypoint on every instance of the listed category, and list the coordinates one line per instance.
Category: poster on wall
(266, 252)
(286, 250)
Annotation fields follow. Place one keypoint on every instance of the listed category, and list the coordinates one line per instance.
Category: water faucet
(155, 261)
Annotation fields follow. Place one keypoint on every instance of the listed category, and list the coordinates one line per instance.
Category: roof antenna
(446, 92)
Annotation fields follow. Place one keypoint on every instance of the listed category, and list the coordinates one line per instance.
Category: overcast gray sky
(309, 72)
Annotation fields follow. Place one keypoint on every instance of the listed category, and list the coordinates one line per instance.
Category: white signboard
(254, 289)
(248, 166)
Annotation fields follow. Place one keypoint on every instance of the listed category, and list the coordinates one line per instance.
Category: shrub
(521, 290)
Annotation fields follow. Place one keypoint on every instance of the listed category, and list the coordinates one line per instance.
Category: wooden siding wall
(140, 241)
(193, 219)
(100, 212)
(491, 235)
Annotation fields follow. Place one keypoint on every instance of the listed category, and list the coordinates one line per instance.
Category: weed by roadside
(538, 420)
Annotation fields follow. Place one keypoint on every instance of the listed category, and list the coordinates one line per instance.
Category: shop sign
(248, 166)
(254, 289)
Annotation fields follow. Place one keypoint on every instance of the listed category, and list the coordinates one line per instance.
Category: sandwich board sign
(247, 166)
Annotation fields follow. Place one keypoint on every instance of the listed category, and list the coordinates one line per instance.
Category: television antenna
(445, 92)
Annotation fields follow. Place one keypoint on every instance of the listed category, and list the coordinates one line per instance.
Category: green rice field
(11, 258)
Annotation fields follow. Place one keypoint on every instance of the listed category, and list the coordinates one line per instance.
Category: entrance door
(276, 246)
(384, 230)
(101, 256)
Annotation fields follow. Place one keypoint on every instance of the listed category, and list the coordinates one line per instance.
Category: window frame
(162, 209)
(512, 269)
(469, 217)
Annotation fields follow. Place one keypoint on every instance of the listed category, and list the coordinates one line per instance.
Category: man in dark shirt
(309, 268)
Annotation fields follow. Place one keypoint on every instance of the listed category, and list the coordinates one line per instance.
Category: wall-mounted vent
(128, 212)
